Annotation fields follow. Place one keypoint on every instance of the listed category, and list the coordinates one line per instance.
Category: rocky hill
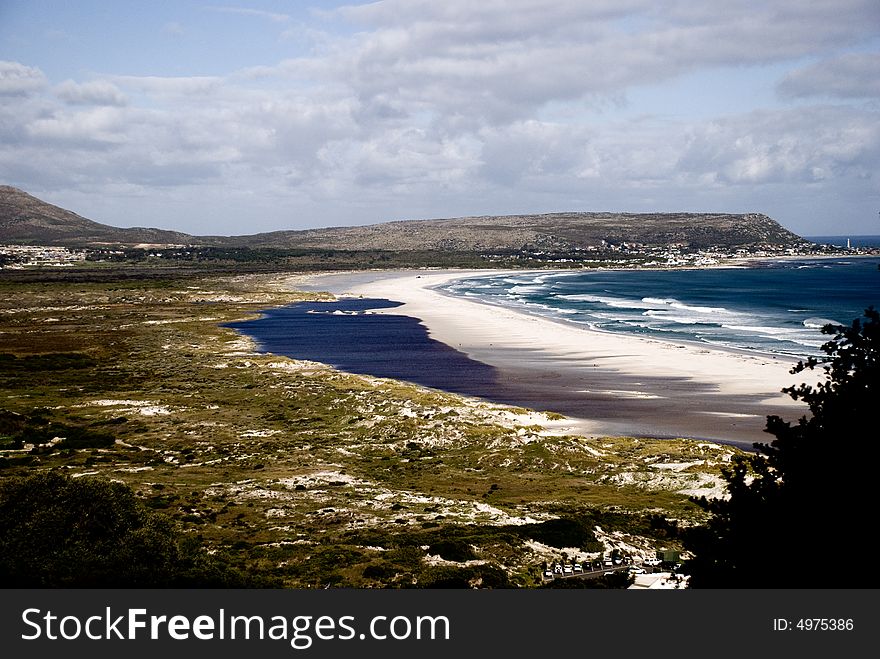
(24, 219)
(552, 231)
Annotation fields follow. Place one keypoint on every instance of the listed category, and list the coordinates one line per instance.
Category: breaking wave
(779, 309)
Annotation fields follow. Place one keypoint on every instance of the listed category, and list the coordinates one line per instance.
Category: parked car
(578, 567)
(548, 573)
(567, 569)
(637, 570)
(653, 562)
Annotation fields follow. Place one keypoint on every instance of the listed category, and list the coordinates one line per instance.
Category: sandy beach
(604, 383)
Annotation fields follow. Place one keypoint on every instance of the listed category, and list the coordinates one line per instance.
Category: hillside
(552, 231)
(24, 219)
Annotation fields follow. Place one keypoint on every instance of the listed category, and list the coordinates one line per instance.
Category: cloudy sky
(247, 117)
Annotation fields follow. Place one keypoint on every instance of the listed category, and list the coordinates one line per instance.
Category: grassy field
(304, 474)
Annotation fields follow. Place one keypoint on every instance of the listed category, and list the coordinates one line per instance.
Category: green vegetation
(303, 474)
(60, 532)
(809, 488)
(137, 264)
(608, 581)
(270, 259)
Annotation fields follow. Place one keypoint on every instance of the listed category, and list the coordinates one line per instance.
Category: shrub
(60, 532)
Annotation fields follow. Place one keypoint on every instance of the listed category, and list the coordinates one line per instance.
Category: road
(588, 574)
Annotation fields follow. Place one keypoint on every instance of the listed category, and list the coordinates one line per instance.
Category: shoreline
(604, 383)
(693, 344)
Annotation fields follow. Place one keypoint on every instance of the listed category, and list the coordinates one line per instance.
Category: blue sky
(237, 118)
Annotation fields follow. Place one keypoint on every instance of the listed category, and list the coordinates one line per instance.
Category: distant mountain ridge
(24, 219)
(551, 231)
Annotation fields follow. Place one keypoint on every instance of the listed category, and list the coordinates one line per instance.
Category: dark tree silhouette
(60, 532)
(800, 512)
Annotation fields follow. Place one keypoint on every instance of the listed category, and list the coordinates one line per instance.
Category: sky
(248, 117)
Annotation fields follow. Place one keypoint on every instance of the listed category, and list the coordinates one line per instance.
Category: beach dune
(607, 384)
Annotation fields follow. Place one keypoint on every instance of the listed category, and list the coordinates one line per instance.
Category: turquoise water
(774, 307)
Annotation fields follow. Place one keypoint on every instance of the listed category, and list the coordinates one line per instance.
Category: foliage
(156, 338)
(562, 532)
(472, 576)
(619, 579)
(803, 503)
(59, 361)
(57, 531)
(453, 550)
(49, 434)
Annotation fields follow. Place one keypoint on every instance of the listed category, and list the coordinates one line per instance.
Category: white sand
(718, 394)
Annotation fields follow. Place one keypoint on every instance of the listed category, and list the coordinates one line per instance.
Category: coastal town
(627, 254)
(14, 257)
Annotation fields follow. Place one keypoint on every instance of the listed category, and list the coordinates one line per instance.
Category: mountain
(24, 219)
(552, 231)
(27, 220)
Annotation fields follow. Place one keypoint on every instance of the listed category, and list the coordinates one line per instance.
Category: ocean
(774, 307)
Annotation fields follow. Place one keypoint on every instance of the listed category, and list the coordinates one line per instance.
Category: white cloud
(791, 146)
(501, 60)
(96, 92)
(182, 86)
(404, 160)
(443, 108)
(533, 152)
(17, 79)
(854, 75)
(97, 127)
(248, 11)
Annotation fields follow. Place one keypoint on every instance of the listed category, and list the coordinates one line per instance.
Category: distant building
(659, 581)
